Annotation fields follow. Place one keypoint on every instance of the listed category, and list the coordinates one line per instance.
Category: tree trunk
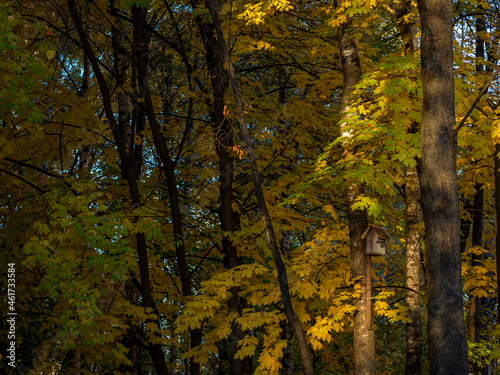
(477, 218)
(286, 334)
(412, 218)
(141, 49)
(223, 140)
(440, 200)
(290, 313)
(497, 214)
(132, 340)
(364, 343)
(465, 223)
(477, 240)
(412, 299)
(127, 170)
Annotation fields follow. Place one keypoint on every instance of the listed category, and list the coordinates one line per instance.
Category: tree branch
(23, 180)
(480, 95)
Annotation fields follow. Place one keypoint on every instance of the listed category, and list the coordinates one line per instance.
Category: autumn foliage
(129, 206)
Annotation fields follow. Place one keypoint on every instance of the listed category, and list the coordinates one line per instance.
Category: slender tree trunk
(223, 139)
(120, 74)
(132, 340)
(82, 159)
(222, 129)
(82, 154)
(497, 222)
(141, 50)
(286, 362)
(440, 200)
(465, 223)
(127, 169)
(412, 218)
(477, 217)
(477, 240)
(364, 342)
(287, 334)
(491, 54)
(290, 313)
(497, 214)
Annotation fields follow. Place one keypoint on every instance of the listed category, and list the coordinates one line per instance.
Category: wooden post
(369, 292)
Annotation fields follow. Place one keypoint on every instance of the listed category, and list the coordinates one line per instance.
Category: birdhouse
(376, 238)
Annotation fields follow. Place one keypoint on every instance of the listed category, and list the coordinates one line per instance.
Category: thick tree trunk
(412, 218)
(440, 200)
(497, 222)
(364, 343)
(290, 313)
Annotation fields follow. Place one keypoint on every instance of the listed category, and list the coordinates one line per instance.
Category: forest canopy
(187, 187)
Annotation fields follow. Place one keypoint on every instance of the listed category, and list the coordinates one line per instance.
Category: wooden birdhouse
(376, 238)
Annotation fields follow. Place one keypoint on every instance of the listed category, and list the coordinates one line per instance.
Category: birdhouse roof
(378, 231)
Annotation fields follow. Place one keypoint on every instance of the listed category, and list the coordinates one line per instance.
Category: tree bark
(440, 200)
(290, 313)
(364, 342)
(412, 299)
(412, 218)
